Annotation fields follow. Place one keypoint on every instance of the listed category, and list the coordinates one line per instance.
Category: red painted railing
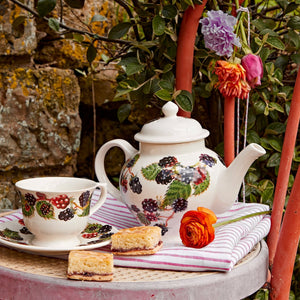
(185, 50)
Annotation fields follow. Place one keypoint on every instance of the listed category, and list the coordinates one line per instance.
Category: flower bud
(254, 69)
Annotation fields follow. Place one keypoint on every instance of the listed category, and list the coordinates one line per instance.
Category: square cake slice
(143, 240)
(90, 265)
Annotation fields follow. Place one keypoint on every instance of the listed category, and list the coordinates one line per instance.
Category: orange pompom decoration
(232, 80)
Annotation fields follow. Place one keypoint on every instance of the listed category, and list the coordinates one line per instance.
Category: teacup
(56, 209)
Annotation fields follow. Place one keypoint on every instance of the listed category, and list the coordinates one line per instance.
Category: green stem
(216, 4)
(241, 218)
(240, 26)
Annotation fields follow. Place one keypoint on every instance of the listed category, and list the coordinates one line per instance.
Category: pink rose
(254, 69)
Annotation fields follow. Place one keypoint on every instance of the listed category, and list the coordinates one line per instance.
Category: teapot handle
(128, 150)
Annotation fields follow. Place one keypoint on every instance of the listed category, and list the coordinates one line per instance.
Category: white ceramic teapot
(174, 172)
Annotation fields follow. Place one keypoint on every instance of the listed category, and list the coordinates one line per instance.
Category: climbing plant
(144, 42)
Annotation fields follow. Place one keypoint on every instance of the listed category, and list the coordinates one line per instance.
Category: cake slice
(143, 240)
(90, 265)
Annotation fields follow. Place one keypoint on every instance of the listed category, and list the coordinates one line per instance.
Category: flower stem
(241, 218)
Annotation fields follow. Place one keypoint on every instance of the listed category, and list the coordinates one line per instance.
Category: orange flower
(196, 229)
(231, 80)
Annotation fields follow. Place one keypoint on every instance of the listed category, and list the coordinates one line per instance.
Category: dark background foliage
(144, 44)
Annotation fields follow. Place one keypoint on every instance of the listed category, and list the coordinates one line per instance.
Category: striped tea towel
(232, 242)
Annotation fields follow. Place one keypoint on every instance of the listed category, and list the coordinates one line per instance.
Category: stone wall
(46, 107)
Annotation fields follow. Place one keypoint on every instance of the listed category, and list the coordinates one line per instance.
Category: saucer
(14, 234)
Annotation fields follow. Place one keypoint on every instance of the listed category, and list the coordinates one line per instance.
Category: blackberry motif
(105, 228)
(25, 230)
(179, 205)
(164, 176)
(30, 199)
(135, 185)
(45, 208)
(131, 162)
(168, 161)
(164, 228)
(207, 159)
(186, 174)
(106, 235)
(84, 198)
(66, 214)
(151, 217)
(150, 205)
(135, 208)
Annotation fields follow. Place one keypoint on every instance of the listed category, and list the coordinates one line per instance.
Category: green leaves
(124, 112)
(91, 53)
(98, 18)
(275, 42)
(177, 190)
(53, 24)
(294, 23)
(158, 25)
(151, 171)
(75, 3)
(185, 100)
(119, 30)
(44, 7)
(169, 11)
(164, 95)
(131, 65)
(202, 187)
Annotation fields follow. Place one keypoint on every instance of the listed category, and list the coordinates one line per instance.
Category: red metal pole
(185, 50)
(229, 112)
(286, 250)
(284, 170)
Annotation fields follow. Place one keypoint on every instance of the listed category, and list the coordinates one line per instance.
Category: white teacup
(56, 209)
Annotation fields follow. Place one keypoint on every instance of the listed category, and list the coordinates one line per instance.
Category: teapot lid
(171, 128)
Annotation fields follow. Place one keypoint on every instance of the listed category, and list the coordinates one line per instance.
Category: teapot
(173, 172)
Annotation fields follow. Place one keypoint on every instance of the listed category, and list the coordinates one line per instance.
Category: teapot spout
(230, 180)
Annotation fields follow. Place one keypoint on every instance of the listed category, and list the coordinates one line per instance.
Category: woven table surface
(55, 267)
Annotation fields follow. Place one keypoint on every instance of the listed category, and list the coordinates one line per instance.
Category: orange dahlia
(231, 80)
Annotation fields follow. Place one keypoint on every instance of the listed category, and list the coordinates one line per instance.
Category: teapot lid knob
(171, 128)
(170, 109)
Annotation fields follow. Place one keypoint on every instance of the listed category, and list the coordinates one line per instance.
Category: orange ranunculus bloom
(232, 80)
(196, 228)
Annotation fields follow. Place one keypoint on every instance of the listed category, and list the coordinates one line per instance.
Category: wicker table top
(25, 270)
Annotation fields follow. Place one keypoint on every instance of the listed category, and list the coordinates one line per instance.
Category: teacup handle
(102, 198)
(128, 150)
